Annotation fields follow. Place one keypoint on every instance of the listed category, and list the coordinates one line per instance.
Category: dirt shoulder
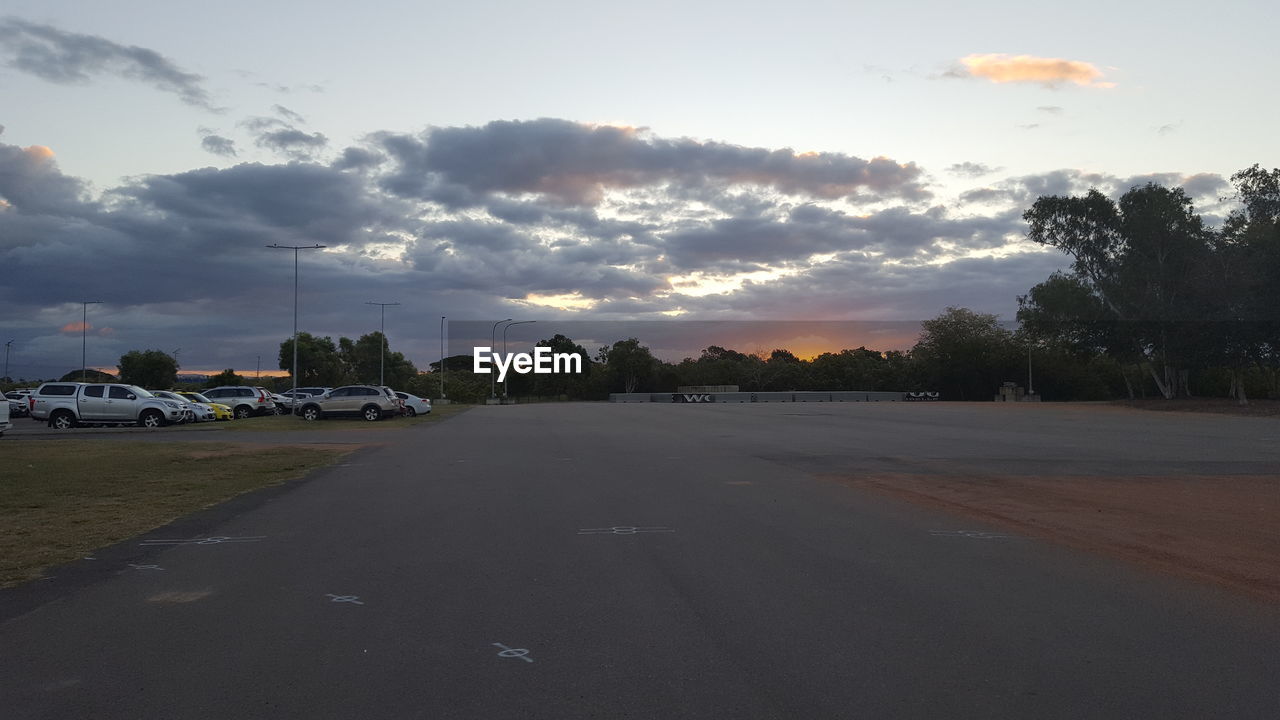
(1222, 406)
(1218, 529)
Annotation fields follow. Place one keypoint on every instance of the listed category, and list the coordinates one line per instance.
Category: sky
(580, 162)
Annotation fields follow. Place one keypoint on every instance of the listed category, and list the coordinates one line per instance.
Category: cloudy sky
(578, 161)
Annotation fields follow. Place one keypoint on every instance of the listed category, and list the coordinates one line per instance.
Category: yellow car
(220, 411)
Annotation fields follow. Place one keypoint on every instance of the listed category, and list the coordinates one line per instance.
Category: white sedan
(414, 405)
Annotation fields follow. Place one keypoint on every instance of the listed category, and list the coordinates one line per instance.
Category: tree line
(1155, 290)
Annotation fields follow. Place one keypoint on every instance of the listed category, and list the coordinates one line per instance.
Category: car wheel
(243, 411)
(151, 419)
(311, 412)
(372, 413)
(62, 420)
(410, 412)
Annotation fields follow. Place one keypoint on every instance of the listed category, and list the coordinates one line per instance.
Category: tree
(555, 384)
(1144, 259)
(965, 355)
(88, 375)
(318, 360)
(363, 361)
(630, 365)
(148, 368)
(1247, 273)
(226, 377)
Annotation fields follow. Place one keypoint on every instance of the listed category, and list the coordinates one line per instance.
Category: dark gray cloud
(191, 246)
(1205, 188)
(292, 142)
(576, 164)
(218, 145)
(32, 184)
(355, 158)
(279, 136)
(288, 114)
(971, 169)
(65, 57)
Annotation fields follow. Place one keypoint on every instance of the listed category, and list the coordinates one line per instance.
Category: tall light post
(295, 249)
(493, 382)
(443, 396)
(84, 337)
(383, 330)
(6, 360)
(1031, 388)
(504, 346)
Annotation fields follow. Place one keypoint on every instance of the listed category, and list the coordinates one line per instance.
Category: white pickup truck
(68, 404)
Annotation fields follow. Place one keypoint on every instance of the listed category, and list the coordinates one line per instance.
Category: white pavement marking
(513, 652)
(625, 530)
(972, 534)
(205, 541)
(145, 567)
(353, 599)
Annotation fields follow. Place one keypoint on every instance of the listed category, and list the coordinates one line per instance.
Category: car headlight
(172, 404)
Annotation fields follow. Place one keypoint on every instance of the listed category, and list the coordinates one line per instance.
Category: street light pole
(504, 346)
(443, 396)
(383, 330)
(1031, 388)
(84, 337)
(295, 249)
(6, 360)
(493, 386)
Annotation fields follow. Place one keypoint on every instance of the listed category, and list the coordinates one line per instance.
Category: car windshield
(140, 392)
(197, 397)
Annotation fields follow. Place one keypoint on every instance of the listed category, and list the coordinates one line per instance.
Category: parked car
(195, 412)
(244, 401)
(17, 403)
(414, 405)
(396, 398)
(4, 418)
(284, 405)
(367, 401)
(68, 404)
(220, 411)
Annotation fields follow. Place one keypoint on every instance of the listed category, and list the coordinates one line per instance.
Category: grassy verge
(285, 423)
(60, 499)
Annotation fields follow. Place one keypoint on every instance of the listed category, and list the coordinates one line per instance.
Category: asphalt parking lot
(596, 560)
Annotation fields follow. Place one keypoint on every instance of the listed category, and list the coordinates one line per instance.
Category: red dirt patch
(1220, 529)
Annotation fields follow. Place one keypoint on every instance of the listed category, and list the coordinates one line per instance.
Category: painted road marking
(145, 567)
(354, 599)
(972, 534)
(513, 652)
(625, 530)
(215, 540)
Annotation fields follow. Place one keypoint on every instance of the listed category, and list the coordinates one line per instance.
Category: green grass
(287, 423)
(61, 499)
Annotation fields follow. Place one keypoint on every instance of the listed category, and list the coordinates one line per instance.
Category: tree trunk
(1161, 384)
(1124, 373)
(1237, 381)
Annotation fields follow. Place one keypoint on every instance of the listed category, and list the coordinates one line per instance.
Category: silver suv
(67, 404)
(367, 401)
(243, 400)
